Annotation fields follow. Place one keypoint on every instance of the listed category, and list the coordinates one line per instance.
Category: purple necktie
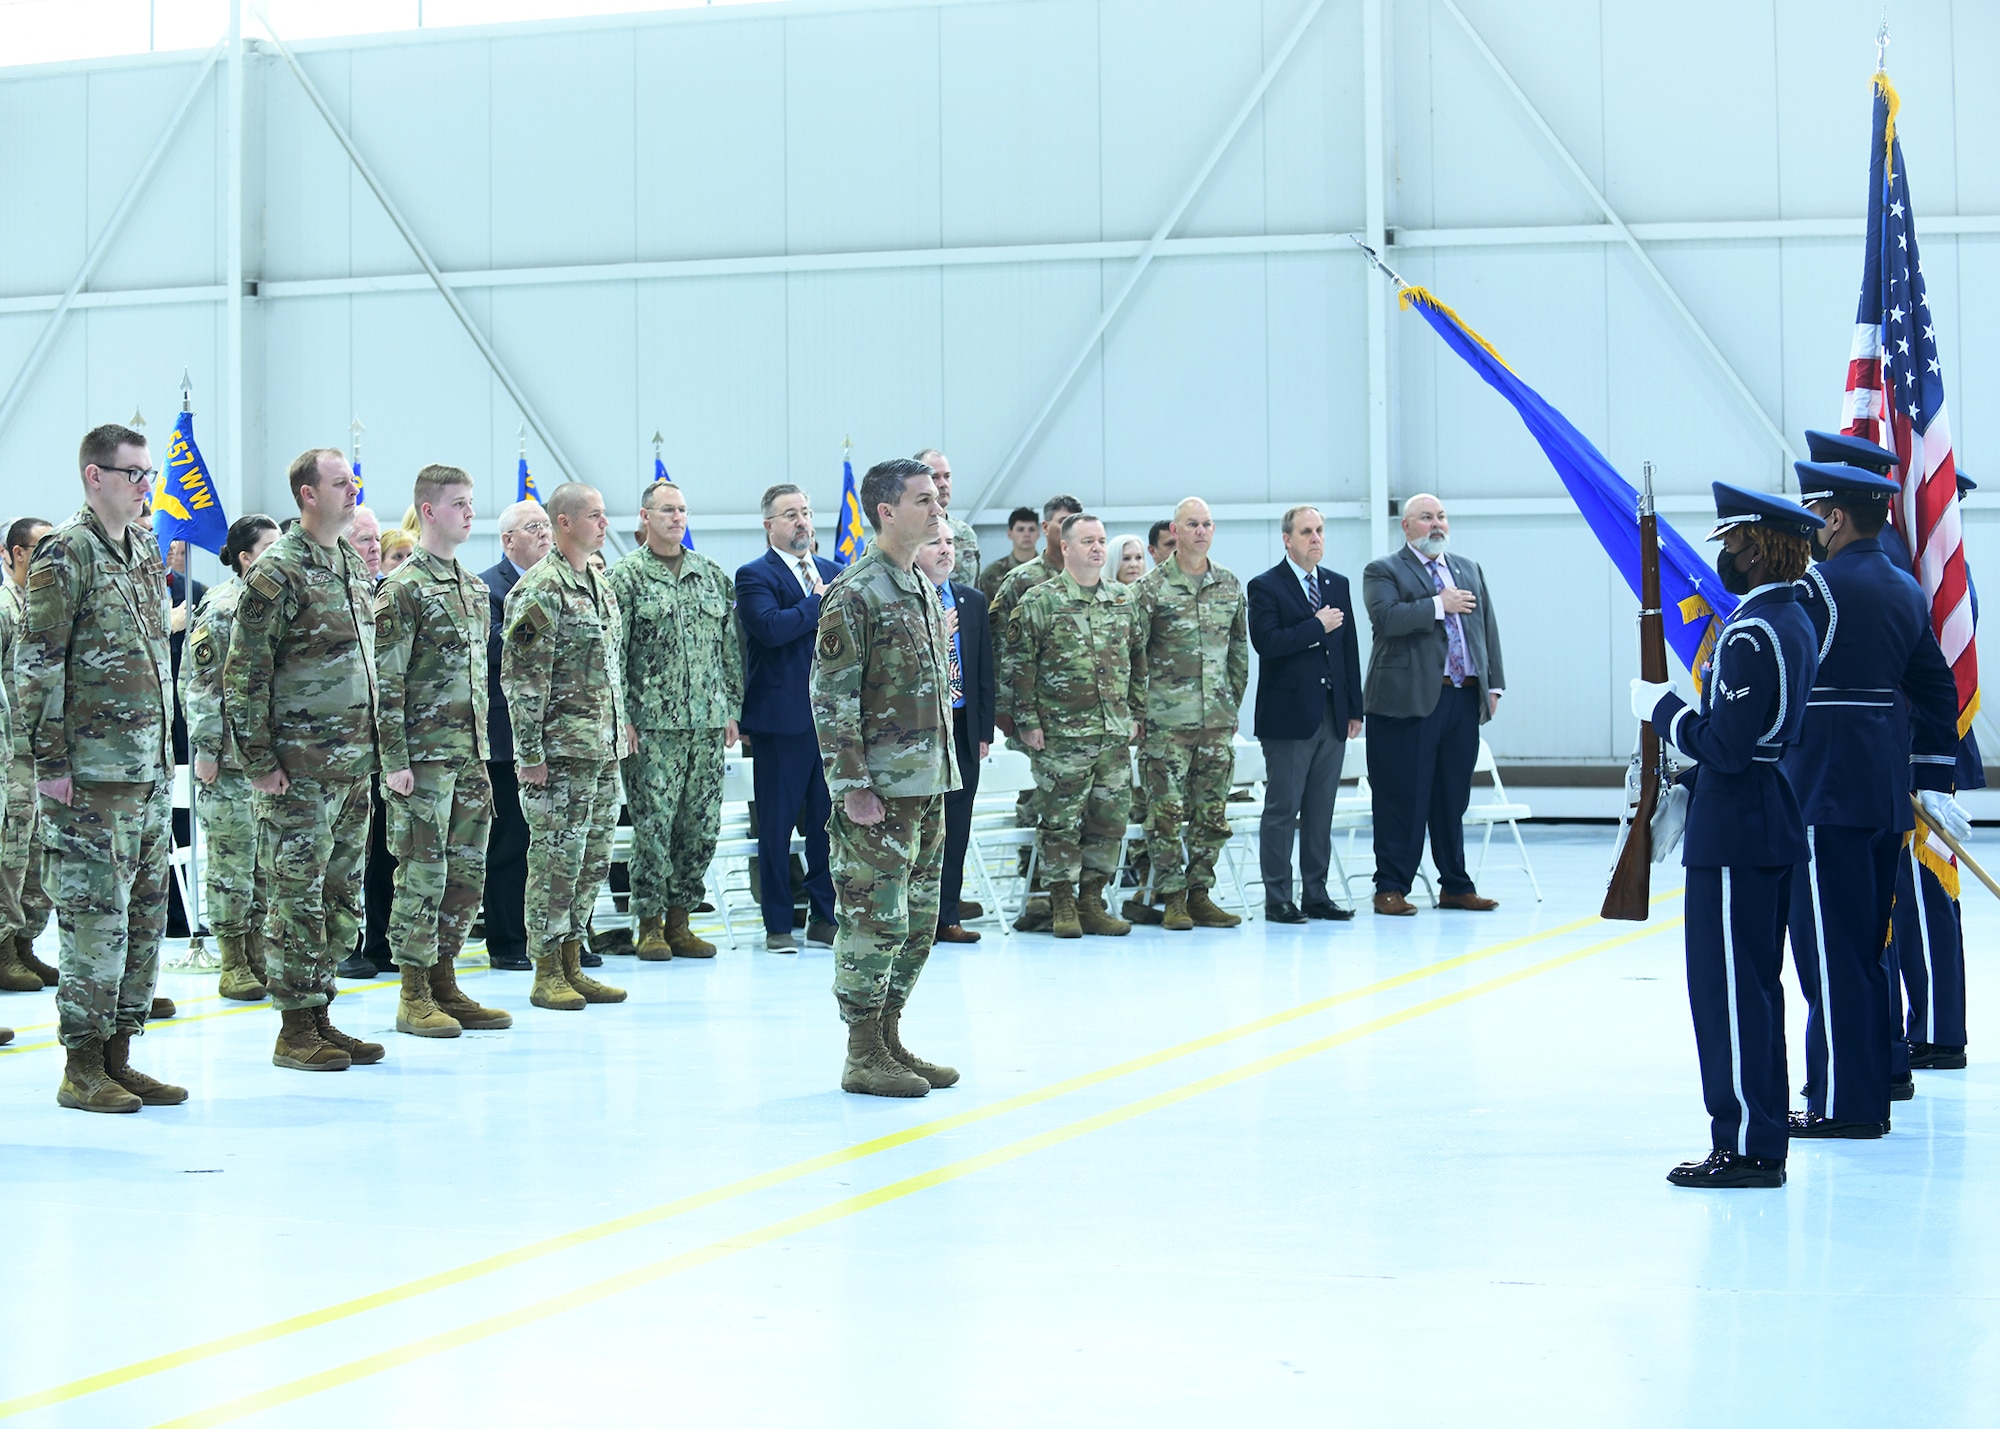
(1456, 666)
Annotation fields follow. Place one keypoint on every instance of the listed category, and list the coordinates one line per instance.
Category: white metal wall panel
(1974, 423)
(425, 122)
(1316, 378)
(563, 148)
(422, 392)
(575, 348)
(863, 360)
(44, 171)
(1312, 113)
(712, 381)
(307, 394)
(174, 235)
(308, 190)
(38, 448)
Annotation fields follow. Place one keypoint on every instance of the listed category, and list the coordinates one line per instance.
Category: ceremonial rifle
(1629, 895)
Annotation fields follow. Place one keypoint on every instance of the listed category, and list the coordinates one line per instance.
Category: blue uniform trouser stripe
(1735, 950)
(1840, 933)
(1928, 951)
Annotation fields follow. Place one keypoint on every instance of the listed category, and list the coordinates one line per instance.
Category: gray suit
(1423, 732)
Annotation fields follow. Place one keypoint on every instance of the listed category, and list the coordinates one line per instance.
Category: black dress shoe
(1725, 1169)
(1285, 912)
(591, 960)
(1935, 1056)
(355, 965)
(1330, 911)
(1903, 1088)
(1811, 1124)
(509, 962)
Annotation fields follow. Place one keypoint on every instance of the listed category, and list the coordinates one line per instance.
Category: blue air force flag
(850, 538)
(660, 474)
(524, 483)
(185, 506)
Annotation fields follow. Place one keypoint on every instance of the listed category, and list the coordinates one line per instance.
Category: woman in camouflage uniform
(235, 885)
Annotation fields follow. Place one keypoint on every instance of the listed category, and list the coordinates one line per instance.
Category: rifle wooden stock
(1629, 896)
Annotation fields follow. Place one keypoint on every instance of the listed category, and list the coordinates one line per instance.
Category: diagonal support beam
(998, 481)
(458, 308)
(1631, 241)
(32, 365)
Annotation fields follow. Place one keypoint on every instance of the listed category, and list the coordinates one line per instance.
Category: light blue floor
(1434, 1195)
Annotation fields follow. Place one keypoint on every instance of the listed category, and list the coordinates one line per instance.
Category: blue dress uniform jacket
(1859, 760)
(1744, 809)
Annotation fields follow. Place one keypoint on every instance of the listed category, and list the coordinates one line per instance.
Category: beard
(1734, 581)
(1433, 545)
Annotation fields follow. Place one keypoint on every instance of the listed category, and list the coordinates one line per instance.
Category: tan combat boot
(24, 949)
(552, 989)
(1176, 918)
(162, 1009)
(238, 982)
(1063, 919)
(86, 1086)
(586, 986)
(417, 1012)
(1091, 914)
(301, 1048)
(118, 1066)
(1034, 916)
(15, 975)
(453, 1002)
(653, 944)
(871, 1070)
(1204, 912)
(361, 1054)
(892, 1043)
(682, 939)
(253, 957)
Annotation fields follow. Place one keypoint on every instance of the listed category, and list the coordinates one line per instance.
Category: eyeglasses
(536, 528)
(137, 475)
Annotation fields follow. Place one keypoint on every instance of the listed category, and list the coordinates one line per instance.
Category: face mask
(1734, 581)
(1819, 546)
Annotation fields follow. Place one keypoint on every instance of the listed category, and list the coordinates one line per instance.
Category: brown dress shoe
(1471, 902)
(1393, 903)
(956, 933)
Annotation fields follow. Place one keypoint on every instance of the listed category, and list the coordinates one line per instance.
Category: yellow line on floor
(716, 1250)
(700, 1200)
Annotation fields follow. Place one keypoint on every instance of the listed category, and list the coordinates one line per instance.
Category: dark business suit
(1423, 731)
(1308, 688)
(970, 728)
(507, 844)
(779, 621)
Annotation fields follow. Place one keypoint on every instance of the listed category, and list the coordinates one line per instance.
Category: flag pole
(194, 900)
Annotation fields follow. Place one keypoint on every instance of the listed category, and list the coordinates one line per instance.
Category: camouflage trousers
(571, 820)
(673, 785)
(24, 907)
(1186, 774)
(1083, 792)
(438, 832)
(885, 883)
(105, 861)
(232, 876)
(313, 843)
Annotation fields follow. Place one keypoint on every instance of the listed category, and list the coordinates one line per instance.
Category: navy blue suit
(507, 844)
(1745, 833)
(1860, 756)
(779, 622)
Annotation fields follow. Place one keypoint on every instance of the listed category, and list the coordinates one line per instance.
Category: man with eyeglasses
(93, 678)
(525, 537)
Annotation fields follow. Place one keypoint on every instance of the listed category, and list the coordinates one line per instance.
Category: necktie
(1312, 592)
(1457, 665)
(805, 573)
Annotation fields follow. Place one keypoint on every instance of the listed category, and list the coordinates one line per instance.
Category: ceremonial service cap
(1736, 506)
(1833, 481)
(1851, 451)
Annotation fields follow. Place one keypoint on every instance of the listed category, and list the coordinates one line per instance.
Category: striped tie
(1312, 592)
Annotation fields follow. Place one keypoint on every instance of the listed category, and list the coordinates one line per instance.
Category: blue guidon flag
(185, 506)
(851, 537)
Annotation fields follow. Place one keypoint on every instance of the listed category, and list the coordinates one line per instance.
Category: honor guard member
(298, 690)
(965, 540)
(565, 694)
(92, 669)
(24, 907)
(1854, 769)
(431, 615)
(1078, 670)
(683, 667)
(236, 896)
(1745, 833)
(881, 699)
(1195, 665)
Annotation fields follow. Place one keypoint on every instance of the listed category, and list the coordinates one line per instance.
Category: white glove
(1946, 813)
(1646, 698)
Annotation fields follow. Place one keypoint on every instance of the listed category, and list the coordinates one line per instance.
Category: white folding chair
(1246, 820)
(1497, 809)
(729, 872)
(1003, 774)
(185, 865)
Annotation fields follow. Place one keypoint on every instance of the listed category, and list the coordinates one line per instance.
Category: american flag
(1895, 398)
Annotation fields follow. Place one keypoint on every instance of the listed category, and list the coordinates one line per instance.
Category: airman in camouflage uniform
(236, 902)
(1195, 639)
(91, 668)
(965, 541)
(298, 691)
(683, 669)
(431, 619)
(24, 907)
(881, 700)
(1076, 665)
(565, 695)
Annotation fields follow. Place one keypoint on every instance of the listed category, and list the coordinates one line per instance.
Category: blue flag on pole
(360, 491)
(849, 539)
(660, 474)
(524, 483)
(1692, 599)
(185, 506)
